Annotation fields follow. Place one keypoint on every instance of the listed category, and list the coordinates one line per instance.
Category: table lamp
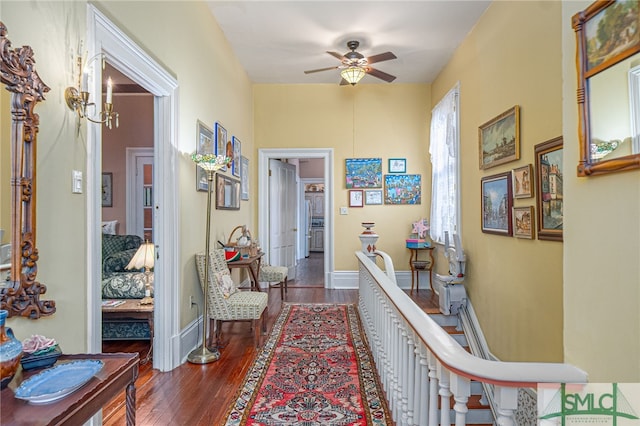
(144, 258)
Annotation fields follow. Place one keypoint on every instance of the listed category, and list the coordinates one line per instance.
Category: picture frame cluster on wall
(397, 187)
(215, 142)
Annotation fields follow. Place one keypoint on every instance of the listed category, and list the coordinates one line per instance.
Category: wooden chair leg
(281, 290)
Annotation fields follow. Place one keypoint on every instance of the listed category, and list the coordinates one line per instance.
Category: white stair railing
(421, 365)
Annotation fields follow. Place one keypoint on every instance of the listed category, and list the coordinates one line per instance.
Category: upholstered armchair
(226, 302)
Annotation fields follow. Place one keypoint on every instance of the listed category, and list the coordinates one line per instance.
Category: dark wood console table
(119, 373)
(132, 310)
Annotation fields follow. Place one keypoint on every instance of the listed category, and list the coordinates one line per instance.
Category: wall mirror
(227, 193)
(20, 292)
(608, 65)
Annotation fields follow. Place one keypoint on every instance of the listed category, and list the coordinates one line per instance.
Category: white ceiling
(276, 41)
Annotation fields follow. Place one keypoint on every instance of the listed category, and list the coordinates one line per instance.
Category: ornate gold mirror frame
(21, 294)
(607, 32)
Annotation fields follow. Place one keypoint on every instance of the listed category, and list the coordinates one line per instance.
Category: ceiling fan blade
(380, 74)
(336, 55)
(381, 57)
(321, 69)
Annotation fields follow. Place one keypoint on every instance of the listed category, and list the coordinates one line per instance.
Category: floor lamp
(210, 164)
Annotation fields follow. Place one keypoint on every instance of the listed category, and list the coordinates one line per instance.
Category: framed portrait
(107, 189)
(204, 145)
(244, 178)
(363, 173)
(523, 221)
(221, 142)
(356, 198)
(499, 139)
(397, 165)
(402, 189)
(237, 153)
(497, 204)
(373, 197)
(227, 192)
(550, 190)
(523, 182)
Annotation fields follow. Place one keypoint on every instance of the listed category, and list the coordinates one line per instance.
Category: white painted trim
(190, 338)
(634, 100)
(126, 56)
(131, 158)
(264, 155)
(348, 280)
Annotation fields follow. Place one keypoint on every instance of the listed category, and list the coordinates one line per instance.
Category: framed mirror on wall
(608, 66)
(20, 293)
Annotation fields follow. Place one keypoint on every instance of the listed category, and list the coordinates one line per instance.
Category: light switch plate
(343, 210)
(76, 182)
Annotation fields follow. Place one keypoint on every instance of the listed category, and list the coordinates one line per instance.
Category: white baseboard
(348, 280)
(190, 338)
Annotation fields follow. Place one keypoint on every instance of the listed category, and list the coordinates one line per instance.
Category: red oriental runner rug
(315, 370)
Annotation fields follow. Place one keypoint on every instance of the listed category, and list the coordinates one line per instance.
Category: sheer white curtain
(444, 149)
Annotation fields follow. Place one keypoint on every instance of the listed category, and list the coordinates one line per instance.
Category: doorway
(128, 58)
(264, 201)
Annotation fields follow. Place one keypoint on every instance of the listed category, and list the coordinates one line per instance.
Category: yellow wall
(365, 121)
(186, 40)
(601, 251)
(515, 284)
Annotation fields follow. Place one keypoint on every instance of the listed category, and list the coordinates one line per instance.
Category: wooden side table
(130, 310)
(251, 263)
(418, 265)
(119, 373)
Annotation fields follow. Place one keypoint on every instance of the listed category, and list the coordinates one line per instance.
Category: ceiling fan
(354, 65)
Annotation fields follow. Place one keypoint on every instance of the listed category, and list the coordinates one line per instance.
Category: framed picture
(549, 186)
(522, 182)
(237, 153)
(397, 165)
(227, 192)
(356, 198)
(497, 203)
(499, 139)
(221, 143)
(107, 189)
(364, 173)
(244, 178)
(373, 197)
(610, 33)
(204, 145)
(523, 222)
(402, 189)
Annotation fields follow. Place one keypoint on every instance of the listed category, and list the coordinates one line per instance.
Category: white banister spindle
(506, 399)
(422, 396)
(461, 389)
(445, 395)
(395, 368)
(433, 389)
(404, 364)
(412, 372)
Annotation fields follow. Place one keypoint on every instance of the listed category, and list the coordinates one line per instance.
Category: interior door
(282, 215)
(140, 192)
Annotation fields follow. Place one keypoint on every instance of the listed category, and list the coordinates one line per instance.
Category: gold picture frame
(499, 139)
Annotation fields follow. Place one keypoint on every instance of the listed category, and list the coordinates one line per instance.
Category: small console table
(418, 265)
(252, 263)
(119, 373)
(132, 310)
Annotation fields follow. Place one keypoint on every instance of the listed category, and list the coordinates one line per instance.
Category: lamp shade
(353, 74)
(144, 257)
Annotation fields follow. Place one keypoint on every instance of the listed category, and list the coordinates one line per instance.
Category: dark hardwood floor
(200, 394)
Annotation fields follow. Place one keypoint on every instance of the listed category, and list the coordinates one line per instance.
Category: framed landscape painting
(522, 182)
(499, 139)
(523, 222)
(549, 179)
(497, 203)
(363, 173)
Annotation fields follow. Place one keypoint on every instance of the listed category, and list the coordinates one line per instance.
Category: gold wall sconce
(78, 98)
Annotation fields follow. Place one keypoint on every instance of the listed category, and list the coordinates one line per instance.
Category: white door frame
(133, 202)
(126, 56)
(264, 155)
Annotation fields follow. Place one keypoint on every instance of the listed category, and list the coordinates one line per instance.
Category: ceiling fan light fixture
(352, 74)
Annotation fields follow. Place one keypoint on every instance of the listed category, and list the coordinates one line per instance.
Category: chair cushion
(125, 285)
(117, 262)
(226, 284)
(269, 273)
(247, 304)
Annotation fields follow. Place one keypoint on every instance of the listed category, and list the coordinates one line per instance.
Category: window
(444, 149)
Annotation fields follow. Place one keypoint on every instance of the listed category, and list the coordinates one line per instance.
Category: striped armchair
(233, 305)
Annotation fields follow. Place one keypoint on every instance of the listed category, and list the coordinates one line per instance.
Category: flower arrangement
(210, 162)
